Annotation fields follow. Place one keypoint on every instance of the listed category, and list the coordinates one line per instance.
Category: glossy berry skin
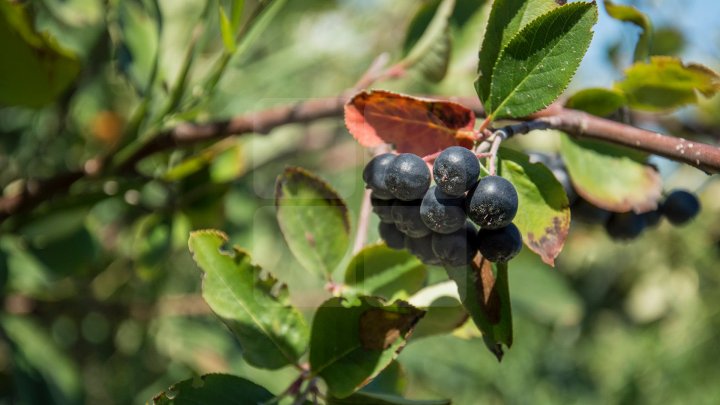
(680, 206)
(457, 248)
(382, 208)
(374, 175)
(493, 203)
(625, 225)
(422, 248)
(393, 238)
(407, 177)
(442, 213)
(406, 215)
(499, 245)
(455, 170)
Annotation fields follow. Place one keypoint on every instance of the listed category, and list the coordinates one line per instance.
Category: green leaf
(138, 45)
(666, 83)
(254, 306)
(610, 176)
(237, 11)
(32, 347)
(36, 69)
(486, 297)
(444, 314)
(227, 31)
(363, 398)
(351, 343)
(597, 101)
(381, 271)
(544, 215)
(214, 389)
(507, 18)
(632, 15)
(431, 53)
(313, 219)
(538, 63)
(391, 381)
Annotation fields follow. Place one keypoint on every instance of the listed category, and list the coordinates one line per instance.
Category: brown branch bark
(576, 123)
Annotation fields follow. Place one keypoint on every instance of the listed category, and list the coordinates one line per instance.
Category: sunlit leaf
(543, 216)
(487, 298)
(666, 83)
(597, 101)
(538, 63)
(214, 389)
(254, 305)
(507, 17)
(430, 53)
(35, 68)
(632, 15)
(227, 31)
(444, 314)
(313, 219)
(413, 125)
(353, 342)
(382, 271)
(610, 176)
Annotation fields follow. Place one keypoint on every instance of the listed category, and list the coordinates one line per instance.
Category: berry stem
(363, 220)
(498, 138)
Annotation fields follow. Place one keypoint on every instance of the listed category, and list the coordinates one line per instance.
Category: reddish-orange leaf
(411, 124)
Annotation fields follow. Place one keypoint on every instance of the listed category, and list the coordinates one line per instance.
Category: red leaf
(413, 125)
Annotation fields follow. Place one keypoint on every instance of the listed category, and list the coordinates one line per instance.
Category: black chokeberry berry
(422, 248)
(374, 175)
(499, 245)
(391, 235)
(624, 225)
(442, 213)
(652, 218)
(382, 208)
(407, 177)
(457, 248)
(588, 213)
(406, 215)
(680, 206)
(492, 203)
(455, 170)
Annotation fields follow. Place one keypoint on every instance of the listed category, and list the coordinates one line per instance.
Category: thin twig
(363, 221)
(497, 140)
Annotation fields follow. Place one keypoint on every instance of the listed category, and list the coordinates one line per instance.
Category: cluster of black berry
(679, 206)
(432, 221)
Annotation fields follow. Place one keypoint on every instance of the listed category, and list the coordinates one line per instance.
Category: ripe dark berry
(407, 177)
(585, 212)
(422, 248)
(406, 215)
(625, 225)
(680, 206)
(392, 236)
(383, 209)
(455, 170)
(499, 245)
(442, 213)
(374, 175)
(493, 203)
(652, 218)
(457, 248)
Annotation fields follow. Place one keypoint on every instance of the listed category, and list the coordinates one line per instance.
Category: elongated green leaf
(35, 68)
(353, 342)
(431, 53)
(538, 63)
(611, 177)
(632, 15)
(255, 307)
(487, 298)
(227, 31)
(214, 389)
(666, 83)
(313, 219)
(544, 215)
(364, 398)
(507, 18)
(379, 270)
(238, 6)
(597, 101)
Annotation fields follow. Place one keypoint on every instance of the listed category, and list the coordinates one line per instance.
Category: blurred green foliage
(100, 295)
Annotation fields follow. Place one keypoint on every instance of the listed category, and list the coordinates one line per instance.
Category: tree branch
(576, 123)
